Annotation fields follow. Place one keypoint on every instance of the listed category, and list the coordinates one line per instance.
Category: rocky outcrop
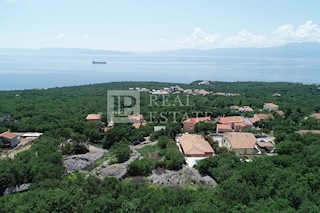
(183, 177)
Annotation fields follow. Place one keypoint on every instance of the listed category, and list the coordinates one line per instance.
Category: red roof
(8, 135)
(272, 105)
(316, 116)
(231, 119)
(263, 116)
(197, 120)
(137, 125)
(135, 117)
(241, 140)
(280, 112)
(193, 144)
(224, 128)
(93, 117)
(254, 120)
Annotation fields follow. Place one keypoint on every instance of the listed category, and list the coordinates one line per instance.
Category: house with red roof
(280, 112)
(137, 118)
(93, 117)
(190, 124)
(259, 117)
(137, 125)
(241, 142)
(317, 117)
(193, 145)
(9, 139)
(271, 106)
(232, 124)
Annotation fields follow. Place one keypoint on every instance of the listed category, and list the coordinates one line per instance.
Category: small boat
(99, 62)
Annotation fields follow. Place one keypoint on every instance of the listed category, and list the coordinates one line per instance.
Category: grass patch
(148, 150)
(107, 157)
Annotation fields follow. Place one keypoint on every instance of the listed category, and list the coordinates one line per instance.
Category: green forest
(287, 182)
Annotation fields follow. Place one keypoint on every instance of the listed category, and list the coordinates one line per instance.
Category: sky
(145, 25)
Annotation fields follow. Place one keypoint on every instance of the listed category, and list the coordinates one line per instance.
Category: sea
(46, 70)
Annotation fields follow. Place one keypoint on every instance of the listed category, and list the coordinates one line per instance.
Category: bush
(74, 147)
(162, 142)
(141, 167)
(220, 167)
(122, 152)
(174, 159)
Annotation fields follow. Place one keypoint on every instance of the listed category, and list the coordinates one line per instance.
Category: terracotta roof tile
(316, 116)
(231, 119)
(193, 144)
(93, 117)
(241, 140)
(138, 124)
(8, 135)
(138, 117)
(197, 120)
(271, 105)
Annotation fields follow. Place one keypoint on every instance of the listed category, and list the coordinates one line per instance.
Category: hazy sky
(147, 25)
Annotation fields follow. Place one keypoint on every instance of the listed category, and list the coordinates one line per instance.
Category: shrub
(174, 160)
(122, 152)
(141, 167)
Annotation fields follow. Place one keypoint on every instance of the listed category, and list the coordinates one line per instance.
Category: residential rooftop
(241, 140)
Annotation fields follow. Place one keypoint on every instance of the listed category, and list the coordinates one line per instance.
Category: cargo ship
(99, 62)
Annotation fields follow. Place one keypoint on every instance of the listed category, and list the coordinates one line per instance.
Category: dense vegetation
(288, 182)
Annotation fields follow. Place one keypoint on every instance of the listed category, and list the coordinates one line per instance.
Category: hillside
(291, 50)
(154, 177)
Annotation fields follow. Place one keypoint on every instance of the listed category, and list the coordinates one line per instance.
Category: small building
(188, 91)
(223, 128)
(175, 88)
(137, 125)
(245, 109)
(230, 119)
(9, 139)
(32, 135)
(93, 117)
(259, 117)
(240, 142)
(271, 106)
(280, 112)
(276, 95)
(190, 124)
(193, 145)
(317, 117)
(203, 92)
(236, 123)
(206, 82)
(266, 147)
(137, 118)
(110, 124)
(159, 128)
(235, 107)
(159, 92)
(6, 118)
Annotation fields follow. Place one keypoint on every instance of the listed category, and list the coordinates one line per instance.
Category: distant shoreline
(158, 82)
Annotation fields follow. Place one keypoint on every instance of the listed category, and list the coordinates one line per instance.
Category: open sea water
(39, 70)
